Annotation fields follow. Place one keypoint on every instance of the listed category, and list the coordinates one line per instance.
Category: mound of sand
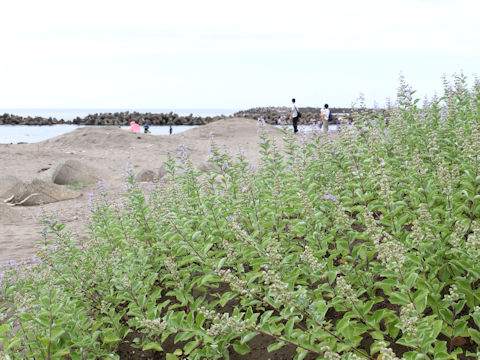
(75, 172)
(85, 138)
(235, 128)
(39, 192)
(112, 137)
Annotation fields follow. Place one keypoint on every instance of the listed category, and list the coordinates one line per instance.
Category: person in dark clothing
(294, 116)
(171, 130)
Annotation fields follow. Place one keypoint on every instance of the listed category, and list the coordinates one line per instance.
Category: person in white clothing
(325, 115)
(294, 116)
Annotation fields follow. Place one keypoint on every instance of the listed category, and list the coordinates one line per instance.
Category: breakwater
(276, 115)
(116, 118)
(271, 115)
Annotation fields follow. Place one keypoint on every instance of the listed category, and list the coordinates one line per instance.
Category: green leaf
(411, 279)
(171, 357)
(56, 333)
(420, 300)
(301, 353)
(447, 316)
(248, 336)
(189, 347)
(460, 327)
(436, 328)
(399, 299)
(475, 335)
(275, 346)
(11, 343)
(289, 327)
(152, 346)
(459, 306)
(240, 348)
(62, 352)
(111, 339)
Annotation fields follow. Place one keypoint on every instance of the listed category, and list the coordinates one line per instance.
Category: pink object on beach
(134, 127)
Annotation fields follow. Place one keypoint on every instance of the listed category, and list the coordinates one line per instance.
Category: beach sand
(110, 150)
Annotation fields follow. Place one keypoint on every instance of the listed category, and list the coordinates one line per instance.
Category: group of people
(134, 127)
(325, 116)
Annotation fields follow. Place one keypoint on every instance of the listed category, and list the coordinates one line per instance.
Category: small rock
(146, 176)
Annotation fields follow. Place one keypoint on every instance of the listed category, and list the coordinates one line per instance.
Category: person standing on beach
(294, 116)
(325, 115)
(170, 130)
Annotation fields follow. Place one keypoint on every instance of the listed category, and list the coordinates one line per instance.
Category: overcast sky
(229, 54)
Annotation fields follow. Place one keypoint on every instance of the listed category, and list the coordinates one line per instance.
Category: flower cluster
(473, 241)
(328, 354)
(156, 325)
(223, 323)
(235, 282)
(408, 319)
(171, 265)
(453, 294)
(386, 353)
(229, 249)
(310, 259)
(346, 290)
(391, 253)
(276, 285)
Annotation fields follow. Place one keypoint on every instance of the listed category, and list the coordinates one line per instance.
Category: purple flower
(331, 197)
(22, 310)
(230, 218)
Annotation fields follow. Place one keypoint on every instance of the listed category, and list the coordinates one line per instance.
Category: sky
(230, 54)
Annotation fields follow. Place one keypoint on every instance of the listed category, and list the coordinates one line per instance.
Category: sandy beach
(110, 150)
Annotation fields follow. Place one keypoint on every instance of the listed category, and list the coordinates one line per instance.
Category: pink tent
(134, 127)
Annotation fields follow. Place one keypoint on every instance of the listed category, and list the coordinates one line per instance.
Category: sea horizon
(72, 113)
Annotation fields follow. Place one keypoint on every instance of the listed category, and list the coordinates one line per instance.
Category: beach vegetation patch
(363, 245)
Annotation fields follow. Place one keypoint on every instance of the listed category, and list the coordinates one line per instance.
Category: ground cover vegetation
(363, 246)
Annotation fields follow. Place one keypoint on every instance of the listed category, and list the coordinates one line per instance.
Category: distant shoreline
(271, 115)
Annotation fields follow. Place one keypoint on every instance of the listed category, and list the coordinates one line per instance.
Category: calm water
(12, 134)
